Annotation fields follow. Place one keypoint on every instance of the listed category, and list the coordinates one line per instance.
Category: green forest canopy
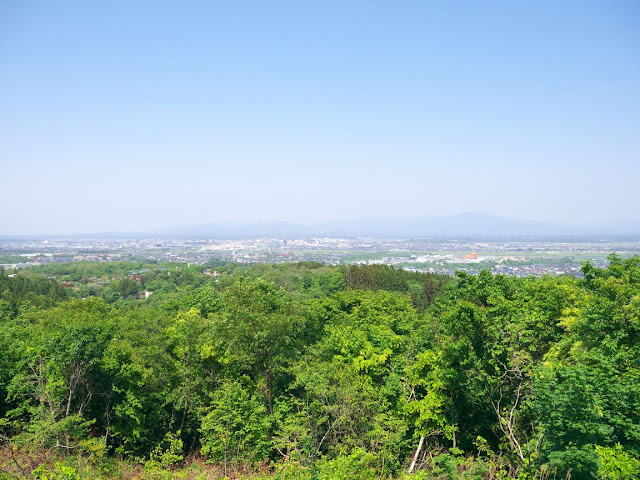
(309, 371)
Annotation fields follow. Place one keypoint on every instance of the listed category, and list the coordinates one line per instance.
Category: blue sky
(135, 115)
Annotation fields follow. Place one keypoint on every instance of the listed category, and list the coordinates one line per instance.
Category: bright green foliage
(357, 463)
(617, 464)
(169, 453)
(127, 403)
(427, 398)
(352, 375)
(292, 437)
(205, 300)
(235, 428)
(257, 331)
(588, 387)
(59, 353)
(59, 472)
(278, 368)
(192, 364)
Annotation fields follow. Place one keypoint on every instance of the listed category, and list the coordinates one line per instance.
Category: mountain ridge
(468, 224)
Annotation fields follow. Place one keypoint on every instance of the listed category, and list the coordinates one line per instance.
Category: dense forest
(305, 371)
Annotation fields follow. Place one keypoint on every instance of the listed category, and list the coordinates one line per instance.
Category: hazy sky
(131, 115)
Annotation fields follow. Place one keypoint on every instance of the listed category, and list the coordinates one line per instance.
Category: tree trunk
(415, 457)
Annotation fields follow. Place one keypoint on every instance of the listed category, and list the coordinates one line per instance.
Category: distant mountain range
(463, 225)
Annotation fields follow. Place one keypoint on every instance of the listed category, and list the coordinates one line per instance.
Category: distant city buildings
(509, 257)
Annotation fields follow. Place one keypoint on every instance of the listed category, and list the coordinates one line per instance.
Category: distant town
(518, 257)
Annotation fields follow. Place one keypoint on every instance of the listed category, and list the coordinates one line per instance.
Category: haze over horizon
(463, 225)
(146, 115)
